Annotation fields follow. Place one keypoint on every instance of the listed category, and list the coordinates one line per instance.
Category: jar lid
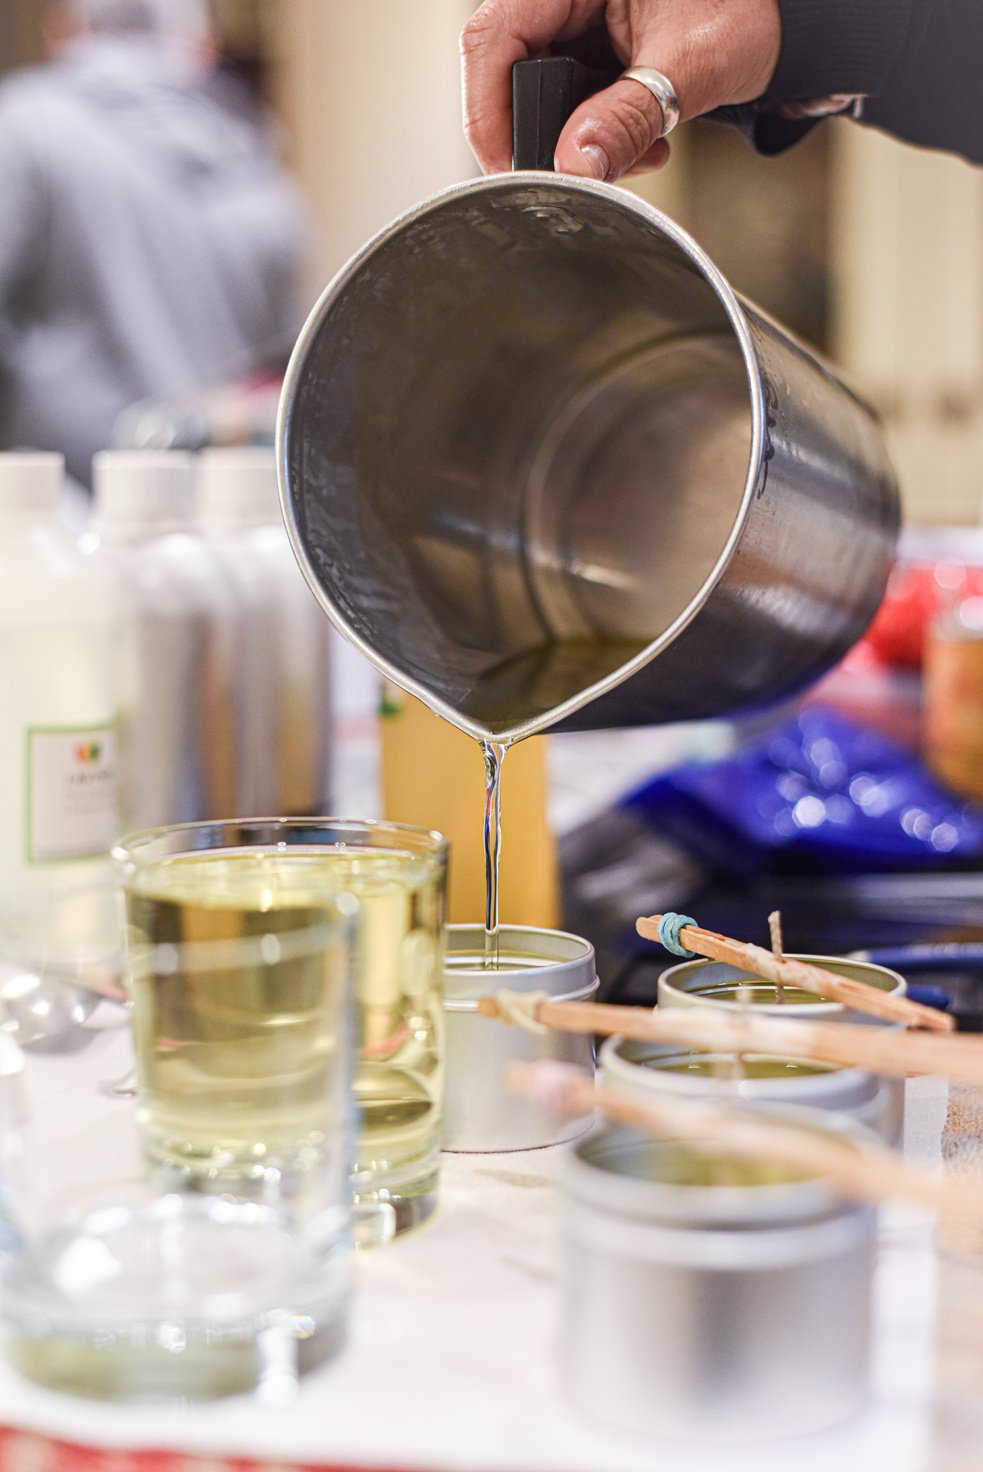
(140, 490)
(238, 488)
(30, 481)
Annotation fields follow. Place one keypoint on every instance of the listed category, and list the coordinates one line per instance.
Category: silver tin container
(697, 983)
(479, 1114)
(184, 659)
(711, 1312)
(285, 716)
(644, 1069)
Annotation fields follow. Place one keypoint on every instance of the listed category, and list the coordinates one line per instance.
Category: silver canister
(479, 1114)
(285, 714)
(716, 1312)
(644, 1070)
(181, 655)
(699, 983)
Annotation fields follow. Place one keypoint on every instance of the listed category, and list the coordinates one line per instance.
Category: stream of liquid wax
(493, 755)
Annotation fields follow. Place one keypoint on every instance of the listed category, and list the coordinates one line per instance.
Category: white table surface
(450, 1362)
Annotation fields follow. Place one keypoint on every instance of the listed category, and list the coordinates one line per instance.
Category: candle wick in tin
(726, 1068)
(743, 1001)
(775, 931)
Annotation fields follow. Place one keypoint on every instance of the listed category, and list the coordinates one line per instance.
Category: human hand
(715, 52)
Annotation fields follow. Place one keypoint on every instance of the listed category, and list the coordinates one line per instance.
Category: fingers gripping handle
(544, 94)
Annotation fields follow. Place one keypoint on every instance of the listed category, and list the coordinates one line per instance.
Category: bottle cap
(149, 490)
(237, 487)
(30, 481)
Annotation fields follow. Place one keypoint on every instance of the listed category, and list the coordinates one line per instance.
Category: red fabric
(26, 1451)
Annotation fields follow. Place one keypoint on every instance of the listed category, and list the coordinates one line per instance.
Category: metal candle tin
(644, 1069)
(479, 1115)
(688, 985)
(716, 1312)
(684, 986)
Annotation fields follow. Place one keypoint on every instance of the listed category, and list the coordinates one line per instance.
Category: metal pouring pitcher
(544, 467)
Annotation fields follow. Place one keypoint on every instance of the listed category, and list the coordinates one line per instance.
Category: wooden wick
(854, 994)
(720, 1029)
(863, 1172)
(775, 931)
(743, 1001)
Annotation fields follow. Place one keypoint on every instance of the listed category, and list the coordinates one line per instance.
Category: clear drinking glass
(196, 1241)
(61, 950)
(398, 876)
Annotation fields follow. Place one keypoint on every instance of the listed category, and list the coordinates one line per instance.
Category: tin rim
(847, 1088)
(671, 977)
(463, 1004)
(620, 1193)
(566, 977)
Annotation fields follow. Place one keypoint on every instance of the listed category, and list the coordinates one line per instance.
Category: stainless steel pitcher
(544, 467)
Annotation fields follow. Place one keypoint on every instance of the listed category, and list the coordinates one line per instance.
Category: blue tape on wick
(669, 927)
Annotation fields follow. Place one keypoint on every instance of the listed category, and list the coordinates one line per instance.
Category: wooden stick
(102, 984)
(880, 1050)
(855, 994)
(775, 932)
(864, 1172)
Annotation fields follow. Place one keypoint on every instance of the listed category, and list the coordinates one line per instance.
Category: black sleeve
(837, 46)
(917, 64)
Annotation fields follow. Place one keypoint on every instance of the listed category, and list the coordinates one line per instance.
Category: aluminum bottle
(286, 712)
(179, 648)
(58, 792)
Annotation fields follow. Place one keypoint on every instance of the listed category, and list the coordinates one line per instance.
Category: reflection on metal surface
(531, 428)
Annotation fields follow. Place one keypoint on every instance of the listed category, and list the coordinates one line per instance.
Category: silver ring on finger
(661, 89)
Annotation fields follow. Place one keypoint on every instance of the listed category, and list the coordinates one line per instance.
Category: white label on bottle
(71, 793)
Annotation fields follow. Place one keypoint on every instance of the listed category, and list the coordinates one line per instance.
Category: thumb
(612, 132)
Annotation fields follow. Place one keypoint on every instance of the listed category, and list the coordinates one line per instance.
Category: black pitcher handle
(544, 94)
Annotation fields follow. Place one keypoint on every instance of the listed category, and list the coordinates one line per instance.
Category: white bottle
(239, 512)
(58, 732)
(180, 650)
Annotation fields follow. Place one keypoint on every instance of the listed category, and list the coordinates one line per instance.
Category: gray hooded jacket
(149, 244)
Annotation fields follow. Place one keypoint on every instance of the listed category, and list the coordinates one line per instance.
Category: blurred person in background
(773, 67)
(149, 239)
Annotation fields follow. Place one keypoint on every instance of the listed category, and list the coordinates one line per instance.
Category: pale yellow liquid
(703, 1065)
(234, 1044)
(758, 993)
(528, 686)
(677, 1163)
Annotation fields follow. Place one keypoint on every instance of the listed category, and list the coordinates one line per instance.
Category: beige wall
(371, 97)
(370, 94)
(908, 263)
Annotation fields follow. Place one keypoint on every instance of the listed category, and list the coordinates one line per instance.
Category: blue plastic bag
(817, 794)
